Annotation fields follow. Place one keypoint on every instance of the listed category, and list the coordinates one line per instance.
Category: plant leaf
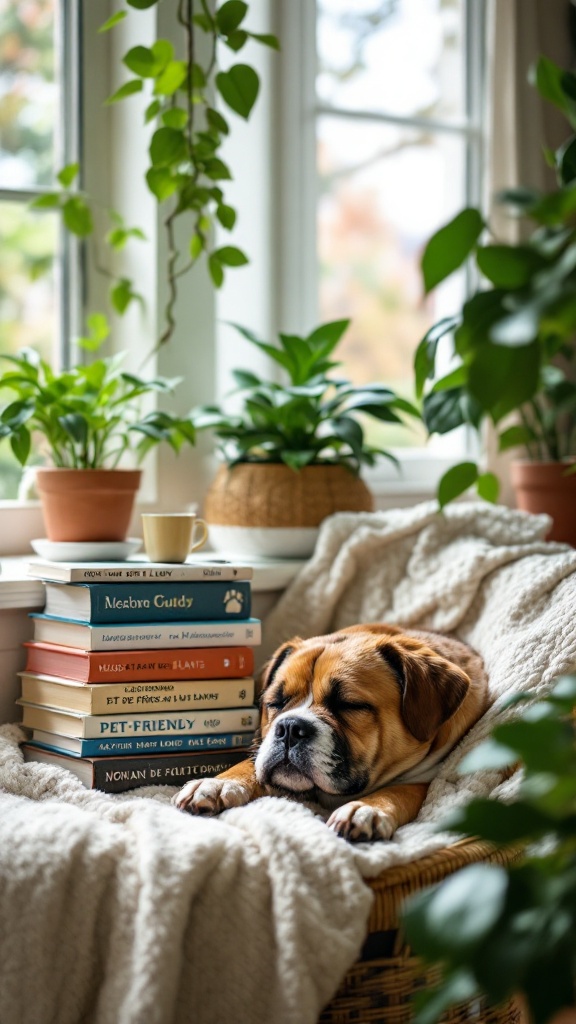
(239, 88)
(456, 481)
(449, 247)
(128, 89)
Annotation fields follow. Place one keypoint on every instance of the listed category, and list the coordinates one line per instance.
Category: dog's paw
(360, 822)
(211, 796)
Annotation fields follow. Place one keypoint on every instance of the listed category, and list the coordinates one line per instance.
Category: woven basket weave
(379, 987)
(273, 495)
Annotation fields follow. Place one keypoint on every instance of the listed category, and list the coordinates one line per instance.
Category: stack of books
(140, 673)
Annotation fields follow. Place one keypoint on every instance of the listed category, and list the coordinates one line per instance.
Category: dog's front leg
(233, 788)
(378, 815)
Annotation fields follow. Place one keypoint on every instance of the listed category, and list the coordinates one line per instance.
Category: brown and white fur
(358, 722)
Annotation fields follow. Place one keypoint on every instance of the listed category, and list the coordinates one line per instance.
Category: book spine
(151, 696)
(172, 723)
(144, 573)
(129, 666)
(149, 602)
(116, 775)
(137, 636)
(157, 745)
(226, 720)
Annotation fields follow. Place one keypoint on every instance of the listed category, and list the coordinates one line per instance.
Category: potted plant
(87, 419)
(294, 450)
(514, 338)
(510, 931)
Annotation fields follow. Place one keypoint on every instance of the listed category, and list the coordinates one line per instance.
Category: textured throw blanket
(120, 909)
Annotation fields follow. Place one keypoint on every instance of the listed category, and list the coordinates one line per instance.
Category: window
(391, 132)
(35, 142)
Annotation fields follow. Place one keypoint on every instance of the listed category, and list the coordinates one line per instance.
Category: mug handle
(199, 543)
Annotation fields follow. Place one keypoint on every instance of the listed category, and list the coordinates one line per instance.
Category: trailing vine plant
(186, 172)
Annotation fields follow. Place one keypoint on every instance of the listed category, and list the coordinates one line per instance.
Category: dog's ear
(433, 688)
(277, 660)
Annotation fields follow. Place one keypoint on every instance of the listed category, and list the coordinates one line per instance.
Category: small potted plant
(514, 338)
(293, 452)
(86, 419)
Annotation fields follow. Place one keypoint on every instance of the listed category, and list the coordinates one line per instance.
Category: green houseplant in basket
(87, 419)
(515, 336)
(294, 449)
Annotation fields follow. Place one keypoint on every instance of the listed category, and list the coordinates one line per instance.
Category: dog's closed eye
(338, 703)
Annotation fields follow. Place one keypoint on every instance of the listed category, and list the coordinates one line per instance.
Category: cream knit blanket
(122, 910)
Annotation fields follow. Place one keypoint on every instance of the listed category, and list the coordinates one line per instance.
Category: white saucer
(85, 551)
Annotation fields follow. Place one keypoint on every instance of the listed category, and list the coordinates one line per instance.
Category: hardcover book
(127, 666)
(117, 774)
(137, 571)
(171, 721)
(148, 602)
(155, 745)
(144, 636)
(102, 698)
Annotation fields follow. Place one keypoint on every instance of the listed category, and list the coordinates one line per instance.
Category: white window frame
(276, 227)
(421, 468)
(20, 521)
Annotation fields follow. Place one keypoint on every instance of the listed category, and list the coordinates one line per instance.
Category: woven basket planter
(379, 988)
(271, 495)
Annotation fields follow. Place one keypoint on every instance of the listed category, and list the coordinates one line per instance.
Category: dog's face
(347, 713)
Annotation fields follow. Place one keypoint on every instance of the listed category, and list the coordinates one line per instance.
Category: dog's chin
(289, 779)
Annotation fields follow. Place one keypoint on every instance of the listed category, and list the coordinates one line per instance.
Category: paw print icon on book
(233, 602)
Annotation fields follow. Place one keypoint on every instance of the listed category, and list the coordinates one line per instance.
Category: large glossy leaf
(508, 266)
(457, 915)
(450, 246)
(444, 410)
(503, 378)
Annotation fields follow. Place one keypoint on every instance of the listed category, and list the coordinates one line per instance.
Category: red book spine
(127, 666)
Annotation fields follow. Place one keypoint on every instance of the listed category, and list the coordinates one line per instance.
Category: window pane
(28, 93)
(27, 301)
(400, 57)
(27, 293)
(384, 191)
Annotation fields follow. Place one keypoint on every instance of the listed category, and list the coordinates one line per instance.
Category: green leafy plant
(186, 172)
(514, 338)
(87, 417)
(311, 419)
(508, 931)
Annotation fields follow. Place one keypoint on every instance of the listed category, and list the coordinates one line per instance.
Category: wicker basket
(273, 495)
(378, 988)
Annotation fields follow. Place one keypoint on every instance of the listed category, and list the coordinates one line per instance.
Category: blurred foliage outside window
(393, 153)
(30, 144)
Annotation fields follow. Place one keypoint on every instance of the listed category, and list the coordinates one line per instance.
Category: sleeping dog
(356, 721)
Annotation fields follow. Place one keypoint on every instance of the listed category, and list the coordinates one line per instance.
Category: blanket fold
(120, 909)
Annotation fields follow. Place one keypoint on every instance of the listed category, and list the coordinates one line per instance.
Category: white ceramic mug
(171, 536)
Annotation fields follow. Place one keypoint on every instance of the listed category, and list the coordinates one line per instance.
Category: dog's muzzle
(287, 755)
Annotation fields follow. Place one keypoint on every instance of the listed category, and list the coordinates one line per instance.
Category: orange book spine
(127, 666)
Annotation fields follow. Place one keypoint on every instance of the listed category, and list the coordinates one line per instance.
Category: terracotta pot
(272, 495)
(544, 487)
(87, 504)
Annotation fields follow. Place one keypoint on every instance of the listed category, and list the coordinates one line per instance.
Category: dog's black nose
(292, 730)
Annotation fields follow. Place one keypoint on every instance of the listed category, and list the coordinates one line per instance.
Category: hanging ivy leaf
(238, 88)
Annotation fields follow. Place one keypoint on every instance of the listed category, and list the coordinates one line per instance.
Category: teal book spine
(102, 603)
(154, 745)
